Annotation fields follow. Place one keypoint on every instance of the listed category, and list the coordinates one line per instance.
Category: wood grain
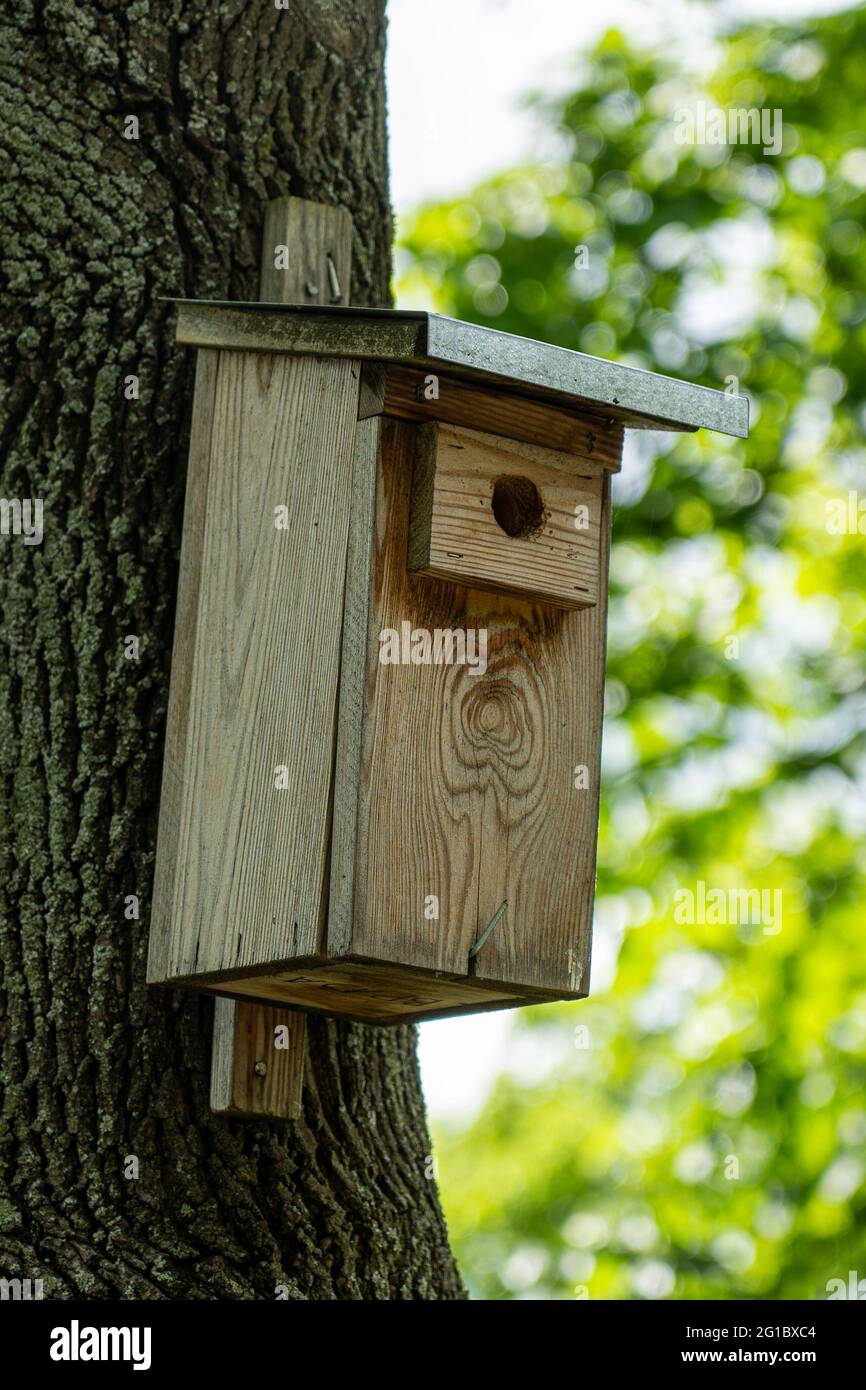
(246, 884)
(595, 438)
(459, 474)
(466, 782)
(319, 241)
(250, 1074)
(313, 233)
(354, 678)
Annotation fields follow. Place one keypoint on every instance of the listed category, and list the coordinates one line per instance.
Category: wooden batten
(407, 393)
(318, 239)
(251, 1074)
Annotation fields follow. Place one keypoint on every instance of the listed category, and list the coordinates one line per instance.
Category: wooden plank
(318, 241)
(160, 949)
(540, 839)
(595, 438)
(371, 400)
(473, 775)
(376, 992)
(353, 685)
(505, 516)
(235, 1088)
(257, 1069)
(251, 859)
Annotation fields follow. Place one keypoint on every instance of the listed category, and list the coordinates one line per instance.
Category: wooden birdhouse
(381, 783)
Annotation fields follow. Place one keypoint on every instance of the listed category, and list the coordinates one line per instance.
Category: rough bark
(238, 102)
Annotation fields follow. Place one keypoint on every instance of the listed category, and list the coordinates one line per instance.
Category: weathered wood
(318, 242)
(505, 516)
(244, 883)
(455, 789)
(405, 395)
(353, 684)
(250, 1073)
(182, 664)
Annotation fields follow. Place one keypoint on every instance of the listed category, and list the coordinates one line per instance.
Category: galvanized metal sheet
(642, 399)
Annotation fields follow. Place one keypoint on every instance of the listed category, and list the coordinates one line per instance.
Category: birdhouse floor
(374, 992)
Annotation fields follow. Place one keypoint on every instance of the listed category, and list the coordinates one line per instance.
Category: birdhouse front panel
(381, 782)
(477, 709)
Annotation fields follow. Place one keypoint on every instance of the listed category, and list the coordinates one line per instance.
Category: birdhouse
(381, 782)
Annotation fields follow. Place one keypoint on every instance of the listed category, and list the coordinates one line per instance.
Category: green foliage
(697, 1128)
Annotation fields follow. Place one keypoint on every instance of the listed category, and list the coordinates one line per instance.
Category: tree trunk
(237, 103)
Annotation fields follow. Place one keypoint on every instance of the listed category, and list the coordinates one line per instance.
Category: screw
(312, 290)
(261, 1068)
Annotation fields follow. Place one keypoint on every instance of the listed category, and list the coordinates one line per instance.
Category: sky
(457, 71)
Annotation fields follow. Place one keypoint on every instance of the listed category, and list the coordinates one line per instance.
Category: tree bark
(237, 103)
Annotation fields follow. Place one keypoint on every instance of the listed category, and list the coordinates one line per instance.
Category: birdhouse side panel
(244, 821)
(161, 942)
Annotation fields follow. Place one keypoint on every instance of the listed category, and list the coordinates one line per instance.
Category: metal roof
(641, 399)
